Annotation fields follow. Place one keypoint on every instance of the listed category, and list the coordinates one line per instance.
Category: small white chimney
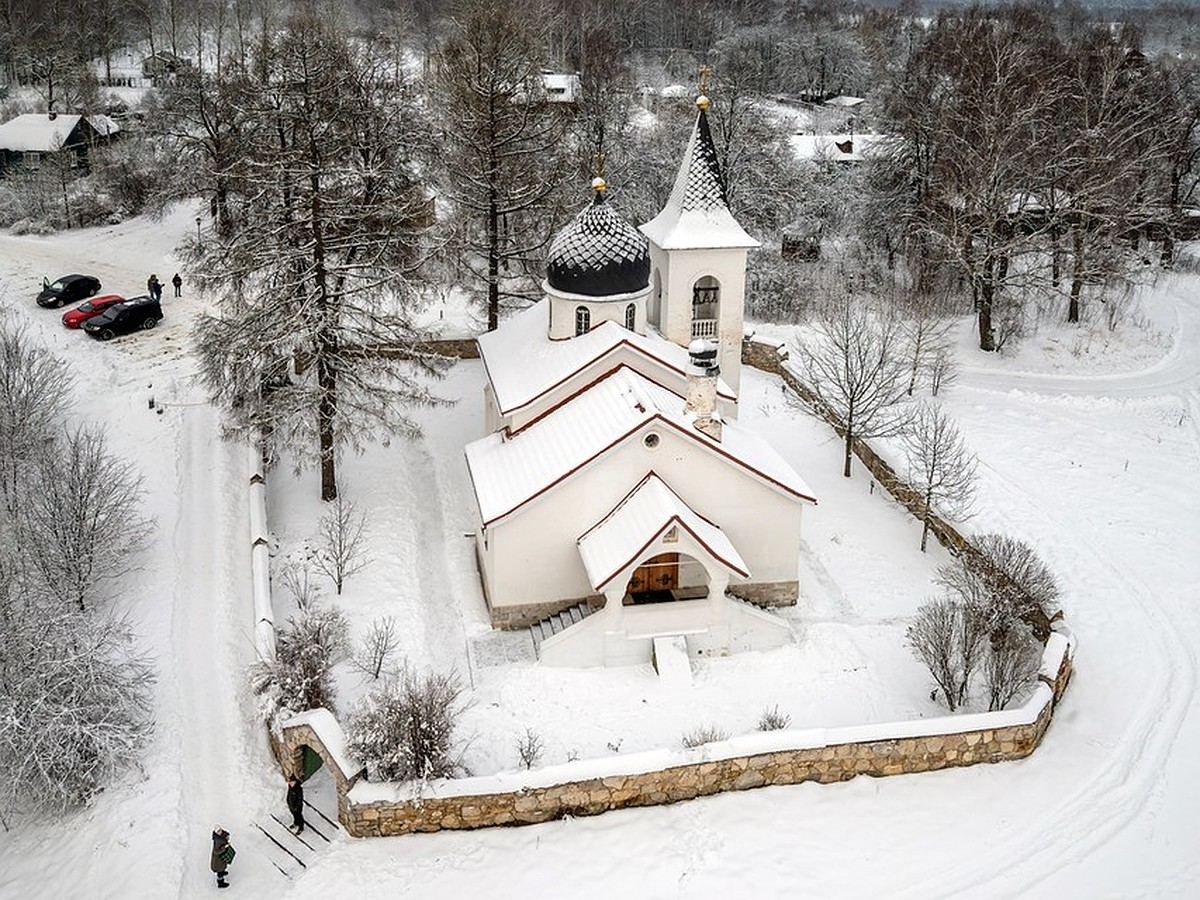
(702, 372)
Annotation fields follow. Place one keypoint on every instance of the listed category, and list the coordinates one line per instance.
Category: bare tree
(341, 552)
(404, 729)
(34, 399)
(947, 636)
(1010, 665)
(75, 700)
(530, 747)
(378, 647)
(857, 367)
(1005, 581)
(82, 525)
(505, 140)
(940, 467)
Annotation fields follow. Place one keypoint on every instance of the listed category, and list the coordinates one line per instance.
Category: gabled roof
(697, 215)
(523, 364)
(509, 472)
(641, 519)
(38, 133)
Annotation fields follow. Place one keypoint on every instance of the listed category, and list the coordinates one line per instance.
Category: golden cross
(704, 70)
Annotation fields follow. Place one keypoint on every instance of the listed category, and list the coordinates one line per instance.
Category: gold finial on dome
(598, 183)
(702, 101)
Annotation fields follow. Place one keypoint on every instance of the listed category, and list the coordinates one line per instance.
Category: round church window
(650, 440)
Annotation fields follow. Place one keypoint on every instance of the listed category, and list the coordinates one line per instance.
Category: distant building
(561, 88)
(28, 139)
(162, 66)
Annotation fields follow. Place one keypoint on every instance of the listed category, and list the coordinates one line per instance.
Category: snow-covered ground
(1100, 471)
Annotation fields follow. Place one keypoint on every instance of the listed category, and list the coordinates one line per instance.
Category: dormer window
(583, 320)
(630, 316)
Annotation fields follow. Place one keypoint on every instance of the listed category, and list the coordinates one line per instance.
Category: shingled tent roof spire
(697, 214)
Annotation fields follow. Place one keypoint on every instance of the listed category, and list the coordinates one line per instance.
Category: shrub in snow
(704, 734)
(300, 677)
(1005, 583)
(773, 720)
(1010, 666)
(529, 747)
(404, 729)
(75, 704)
(341, 549)
(378, 647)
(947, 636)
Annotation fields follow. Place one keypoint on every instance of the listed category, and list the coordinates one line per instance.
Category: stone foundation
(767, 594)
(511, 618)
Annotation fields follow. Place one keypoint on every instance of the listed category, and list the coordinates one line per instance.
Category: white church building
(620, 503)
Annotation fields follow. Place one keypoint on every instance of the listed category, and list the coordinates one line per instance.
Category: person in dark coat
(154, 286)
(295, 802)
(177, 283)
(221, 855)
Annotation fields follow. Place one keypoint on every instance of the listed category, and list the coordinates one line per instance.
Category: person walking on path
(295, 803)
(222, 856)
(178, 284)
(154, 286)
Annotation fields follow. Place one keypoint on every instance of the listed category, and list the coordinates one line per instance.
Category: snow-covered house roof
(508, 472)
(641, 519)
(697, 215)
(41, 133)
(523, 365)
(845, 101)
(834, 147)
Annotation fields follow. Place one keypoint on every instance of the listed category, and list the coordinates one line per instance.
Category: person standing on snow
(154, 286)
(295, 803)
(177, 282)
(222, 855)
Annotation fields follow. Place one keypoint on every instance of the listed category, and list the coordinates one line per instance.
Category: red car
(74, 318)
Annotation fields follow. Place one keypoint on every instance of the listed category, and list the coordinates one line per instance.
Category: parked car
(73, 318)
(68, 289)
(122, 318)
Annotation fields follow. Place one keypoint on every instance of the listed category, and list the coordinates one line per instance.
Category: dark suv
(140, 312)
(68, 289)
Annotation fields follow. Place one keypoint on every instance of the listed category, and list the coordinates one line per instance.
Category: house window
(706, 307)
(583, 320)
(630, 316)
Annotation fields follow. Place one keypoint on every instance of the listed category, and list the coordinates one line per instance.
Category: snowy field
(1094, 457)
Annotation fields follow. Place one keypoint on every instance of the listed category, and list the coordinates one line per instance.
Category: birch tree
(319, 273)
(857, 367)
(940, 467)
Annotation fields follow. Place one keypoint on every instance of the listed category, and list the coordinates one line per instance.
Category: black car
(139, 312)
(68, 289)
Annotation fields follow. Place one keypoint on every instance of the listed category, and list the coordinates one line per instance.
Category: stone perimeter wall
(825, 764)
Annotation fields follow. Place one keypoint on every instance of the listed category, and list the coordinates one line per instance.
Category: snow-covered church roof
(598, 254)
(523, 364)
(697, 215)
(641, 519)
(508, 472)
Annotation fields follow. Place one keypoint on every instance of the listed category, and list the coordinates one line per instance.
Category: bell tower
(698, 255)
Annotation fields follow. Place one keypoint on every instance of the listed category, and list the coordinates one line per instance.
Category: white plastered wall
(531, 556)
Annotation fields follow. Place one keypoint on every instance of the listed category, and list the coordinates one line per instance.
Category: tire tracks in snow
(1116, 792)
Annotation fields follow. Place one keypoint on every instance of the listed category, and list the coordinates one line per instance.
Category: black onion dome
(599, 254)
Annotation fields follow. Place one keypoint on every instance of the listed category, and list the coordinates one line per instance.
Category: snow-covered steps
(552, 625)
(671, 660)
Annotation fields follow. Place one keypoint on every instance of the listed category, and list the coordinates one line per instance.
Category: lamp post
(197, 229)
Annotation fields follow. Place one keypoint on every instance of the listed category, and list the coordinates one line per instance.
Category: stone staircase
(552, 625)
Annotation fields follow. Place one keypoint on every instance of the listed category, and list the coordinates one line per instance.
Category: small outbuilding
(28, 139)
